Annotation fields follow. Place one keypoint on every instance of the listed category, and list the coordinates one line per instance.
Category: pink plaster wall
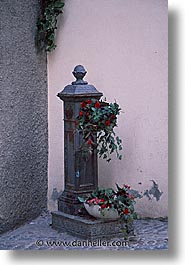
(123, 46)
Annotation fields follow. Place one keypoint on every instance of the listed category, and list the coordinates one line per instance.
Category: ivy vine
(99, 118)
(47, 24)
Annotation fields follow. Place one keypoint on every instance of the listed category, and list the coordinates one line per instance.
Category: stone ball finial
(79, 72)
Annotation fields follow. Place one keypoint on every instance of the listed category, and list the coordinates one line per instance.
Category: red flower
(126, 211)
(89, 101)
(80, 113)
(91, 201)
(83, 104)
(122, 192)
(76, 123)
(126, 186)
(97, 105)
(89, 142)
(107, 122)
(131, 196)
(103, 206)
(87, 114)
(112, 116)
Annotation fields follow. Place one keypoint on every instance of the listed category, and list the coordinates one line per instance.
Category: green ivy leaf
(46, 24)
(81, 199)
(101, 122)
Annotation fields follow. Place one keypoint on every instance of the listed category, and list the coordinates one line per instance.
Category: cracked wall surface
(23, 116)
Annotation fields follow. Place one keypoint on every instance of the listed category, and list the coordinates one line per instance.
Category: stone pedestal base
(69, 203)
(88, 227)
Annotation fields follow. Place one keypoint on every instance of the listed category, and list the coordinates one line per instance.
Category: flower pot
(105, 214)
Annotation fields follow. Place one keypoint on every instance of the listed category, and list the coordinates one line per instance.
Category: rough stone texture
(23, 116)
(88, 227)
(38, 235)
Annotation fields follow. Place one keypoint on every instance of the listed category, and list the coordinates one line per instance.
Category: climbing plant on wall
(47, 23)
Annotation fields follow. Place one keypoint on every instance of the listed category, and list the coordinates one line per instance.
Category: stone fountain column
(80, 175)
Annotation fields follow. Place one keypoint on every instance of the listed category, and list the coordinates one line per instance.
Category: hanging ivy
(47, 24)
(100, 118)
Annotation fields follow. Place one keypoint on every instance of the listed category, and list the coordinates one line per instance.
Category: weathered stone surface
(87, 227)
(38, 235)
(23, 116)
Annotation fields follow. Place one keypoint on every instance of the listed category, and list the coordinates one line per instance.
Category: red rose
(107, 122)
(97, 105)
(87, 114)
(83, 104)
(80, 113)
(89, 101)
(126, 211)
(103, 206)
(89, 142)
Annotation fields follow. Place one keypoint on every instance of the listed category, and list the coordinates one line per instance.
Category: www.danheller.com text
(82, 243)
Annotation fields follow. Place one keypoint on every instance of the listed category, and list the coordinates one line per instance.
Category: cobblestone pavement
(38, 234)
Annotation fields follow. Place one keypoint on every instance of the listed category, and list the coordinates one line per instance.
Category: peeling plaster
(55, 194)
(152, 192)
